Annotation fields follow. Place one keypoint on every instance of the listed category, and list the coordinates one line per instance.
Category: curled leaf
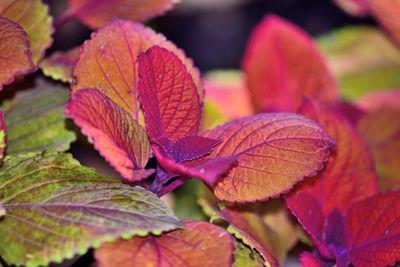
(35, 119)
(96, 13)
(168, 95)
(282, 64)
(59, 65)
(115, 134)
(15, 57)
(199, 244)
(349, 175)
(245, 256)
(33, 16)
(57, 208)
(108, 62)
(274, 150)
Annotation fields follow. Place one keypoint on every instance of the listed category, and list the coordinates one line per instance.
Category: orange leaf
(59, 65)
(200, 244)
(380, 128)
(109, 62)
(275, 151)
(15, 58)
(387, 13)
(349, 175)
(96, 13)
(33, 16)
(282, 65)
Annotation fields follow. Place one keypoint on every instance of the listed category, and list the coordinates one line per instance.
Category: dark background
(214, 32)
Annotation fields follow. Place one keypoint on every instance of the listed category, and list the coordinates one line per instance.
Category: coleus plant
(136, 96)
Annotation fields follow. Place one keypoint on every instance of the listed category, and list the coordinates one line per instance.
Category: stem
(172, 186)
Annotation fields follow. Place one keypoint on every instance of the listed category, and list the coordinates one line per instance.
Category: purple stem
(172, 186)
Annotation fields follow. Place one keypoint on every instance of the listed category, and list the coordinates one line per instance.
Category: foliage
(284, 137)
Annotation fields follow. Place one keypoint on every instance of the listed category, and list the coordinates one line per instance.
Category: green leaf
(35, 119)
(57, 208)
(2, 211)
(362, 58)
(185, 204)
(246, 257)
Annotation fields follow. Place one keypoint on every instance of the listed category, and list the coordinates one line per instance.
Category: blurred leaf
(244, 256)
(33, 16)
(57, 208)
(59, 65)
(35, 119)
(362, 58)
(185, 201)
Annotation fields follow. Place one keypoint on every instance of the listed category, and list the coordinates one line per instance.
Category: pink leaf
(118, 138)
(168, 95)
(282, 65)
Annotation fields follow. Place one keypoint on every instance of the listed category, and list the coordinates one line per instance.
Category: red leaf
(349, 174)
(374, 231)
(15, 58)
(309, 214)
(199, 244)
(118, 138)
(308, 259)
(357, 8)
(3, 135)
(386, 13)
(168, 95)
(380, 128)
(59, 65)
(274, 151)
(282, 65)
(96, 13)
(33, 16)
(109, 62)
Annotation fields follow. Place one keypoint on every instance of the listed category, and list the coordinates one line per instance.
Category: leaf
(57, 208)
(308, 212)
(374, 232)
(185, 201)
(35, 119)
(228, 94)
(33, 16)
(386, 12)
(112, 130)
(352, 58)
(308, 259)
(250, 228)
(96, 13)
(199, 244)
(380, 128)
(282, 65)
(168, 95)
(109, 62)
(15, 58)
(3, 135)
(59, 65)
(188, 148)
(357, 8)
(349, 175)
(245, 256)
(275, 150)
